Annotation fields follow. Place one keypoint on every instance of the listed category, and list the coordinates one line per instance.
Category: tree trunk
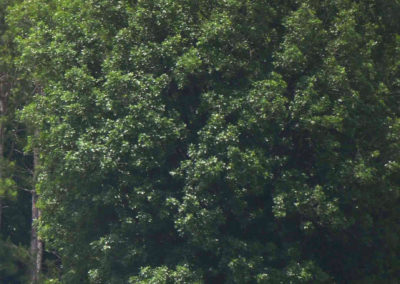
(1, 165)
(36, 243)
(1, 161)
(3, 110)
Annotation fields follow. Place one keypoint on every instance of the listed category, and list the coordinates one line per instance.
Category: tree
(220, 142)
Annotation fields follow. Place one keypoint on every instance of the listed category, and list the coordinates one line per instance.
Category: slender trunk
(3, 109)
(1, 166)
(36, 243)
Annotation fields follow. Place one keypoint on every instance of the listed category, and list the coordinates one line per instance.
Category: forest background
(178, 141)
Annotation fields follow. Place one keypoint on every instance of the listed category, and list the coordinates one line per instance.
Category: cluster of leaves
(216, 141)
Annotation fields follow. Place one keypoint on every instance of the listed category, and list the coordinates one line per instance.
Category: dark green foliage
(15, 167)
(216, 141)
(14, 263)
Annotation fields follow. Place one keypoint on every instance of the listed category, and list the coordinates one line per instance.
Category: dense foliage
(213, 141)
(15, 167)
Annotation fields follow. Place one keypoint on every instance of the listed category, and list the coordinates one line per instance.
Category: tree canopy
(210, 141)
